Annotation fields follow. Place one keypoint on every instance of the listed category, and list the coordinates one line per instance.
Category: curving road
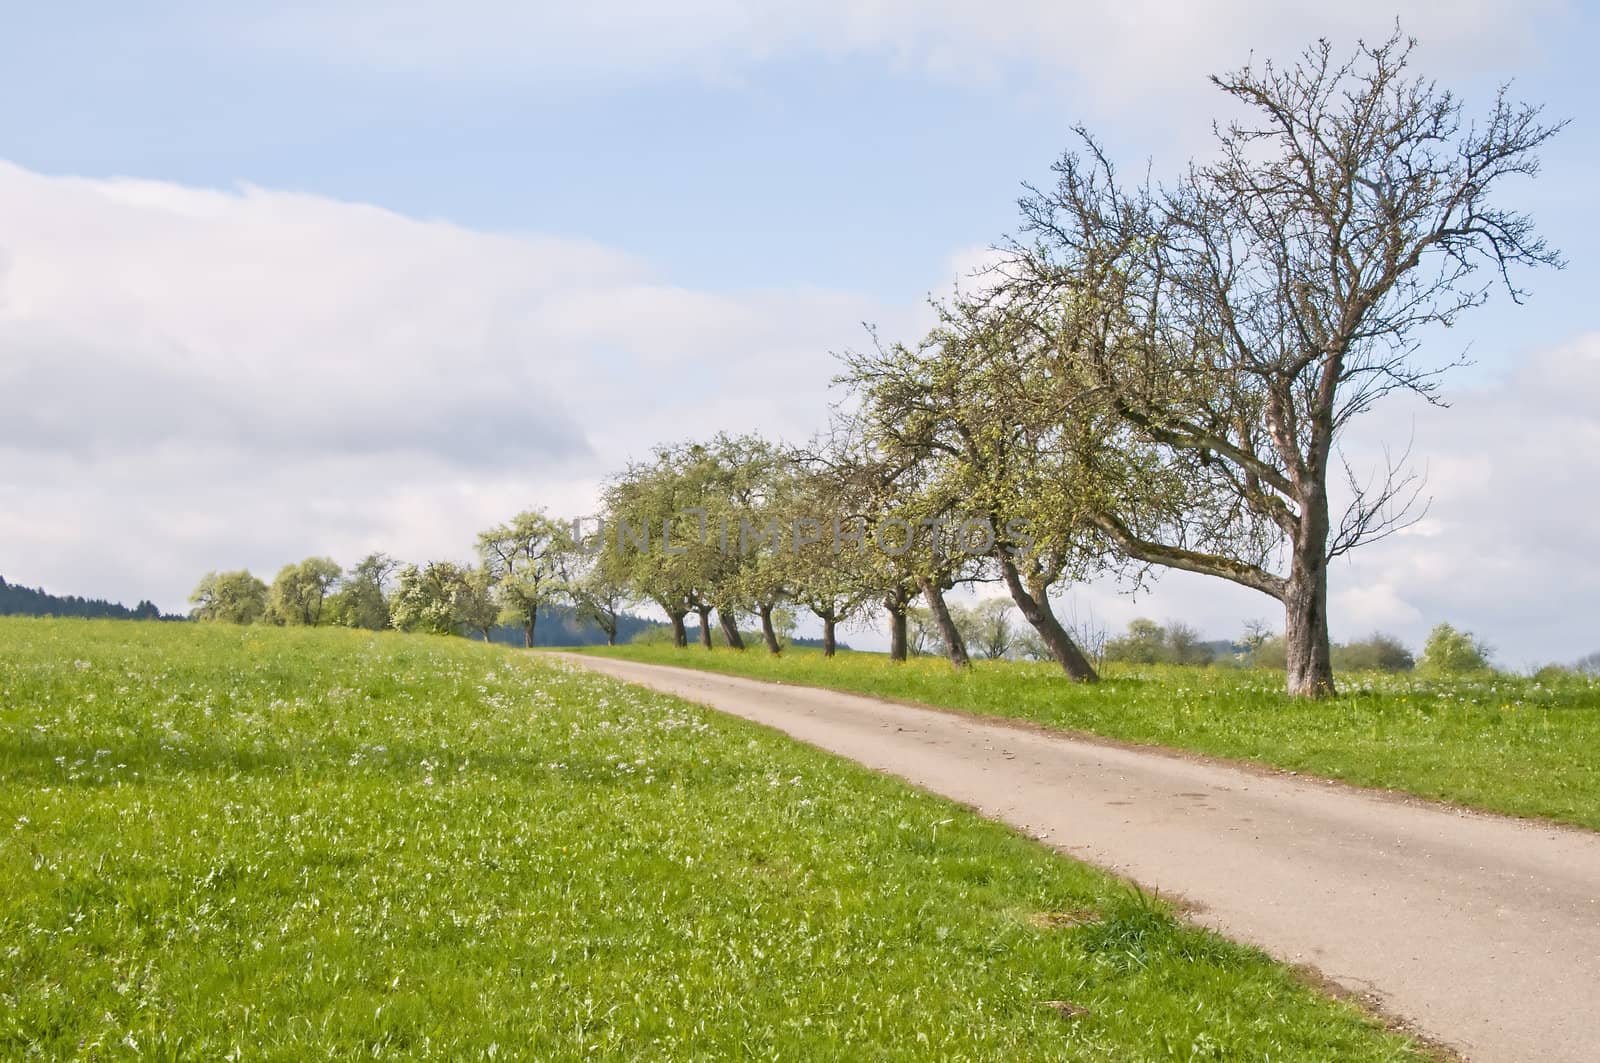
(1480, 932)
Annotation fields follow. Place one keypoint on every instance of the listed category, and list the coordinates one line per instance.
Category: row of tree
(1159, 374)
(527, 566)
(1154, 375)
(1447, 650)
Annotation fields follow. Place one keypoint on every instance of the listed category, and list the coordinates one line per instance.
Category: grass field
(254, 843)
(1506, 743)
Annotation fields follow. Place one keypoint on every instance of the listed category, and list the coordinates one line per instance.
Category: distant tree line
(30, 601)
(988, 625)
(439, 597)
(1447, 652)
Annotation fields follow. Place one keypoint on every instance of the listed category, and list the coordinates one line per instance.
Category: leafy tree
(784, 625)
(744, 484)
(918, 548)
(434, 598)
(1144, 643)
(861, 491)
(651, 522)
(1242, 317)
(1270, 652)
(1030, 647)
(526, 560)
(1256, 634)
(970, 405)
(599, 587)
(1452, 652)
(827, 567)
(923, 632)
(299, 591)
(362, 600)
(1184, 645)
(988, 627)
(1376, 653)
(689, 524)
(1147, 642)
(478, 602)
(229, 598)
(773, 564)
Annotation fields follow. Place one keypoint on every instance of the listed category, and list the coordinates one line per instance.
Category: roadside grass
(257, 843)
(1505, 743)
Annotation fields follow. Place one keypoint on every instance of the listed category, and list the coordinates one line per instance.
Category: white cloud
(196, 379)
(1115, 53)
(1509, 545)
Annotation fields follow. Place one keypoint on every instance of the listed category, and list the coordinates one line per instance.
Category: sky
(323, 278)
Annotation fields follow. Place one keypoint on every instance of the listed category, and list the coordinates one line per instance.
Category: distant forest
(29, 601)
(559, 626)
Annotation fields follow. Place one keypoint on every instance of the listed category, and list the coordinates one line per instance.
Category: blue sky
(739, 181)
(854, 170)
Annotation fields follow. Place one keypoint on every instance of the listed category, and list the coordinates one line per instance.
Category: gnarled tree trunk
(769, 633)
(897, 628)
(954, 646)
(1036, 610)
(730, 629)
(704, 612)
(829, 642)
(1305, 603)
(680, 635)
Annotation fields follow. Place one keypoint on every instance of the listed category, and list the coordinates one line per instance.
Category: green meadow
(222, 842)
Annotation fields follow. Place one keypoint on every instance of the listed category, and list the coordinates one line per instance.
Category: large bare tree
(1243, 317)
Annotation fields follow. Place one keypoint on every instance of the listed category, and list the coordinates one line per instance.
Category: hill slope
(336, 845)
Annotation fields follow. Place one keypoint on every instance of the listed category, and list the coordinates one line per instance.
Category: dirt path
(1481, 932)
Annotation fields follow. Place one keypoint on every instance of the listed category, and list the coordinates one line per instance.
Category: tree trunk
(768, 632)
(680, 637)
(704, 612)
(1037, 611)
(954, 647)
(529, 622)
(829, 643)
(730, 629)
(897, 630)
(1305, 605)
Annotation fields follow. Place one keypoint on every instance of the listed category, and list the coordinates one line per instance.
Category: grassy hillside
(1507, 743)
(296, 844)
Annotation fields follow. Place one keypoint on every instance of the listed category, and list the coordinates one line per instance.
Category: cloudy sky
(322, 278)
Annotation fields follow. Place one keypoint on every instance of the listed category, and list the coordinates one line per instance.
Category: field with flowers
(1516, 744)
(221, 842)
